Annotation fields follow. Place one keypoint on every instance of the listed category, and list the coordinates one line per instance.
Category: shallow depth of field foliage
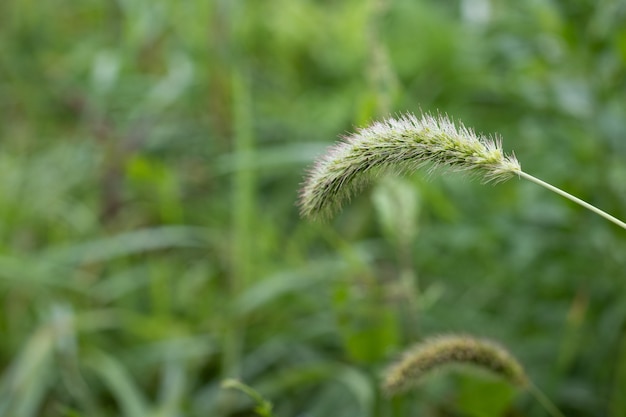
(151, 153)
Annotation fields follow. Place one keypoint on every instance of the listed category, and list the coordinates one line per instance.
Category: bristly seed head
(441, 352)
(400, 145)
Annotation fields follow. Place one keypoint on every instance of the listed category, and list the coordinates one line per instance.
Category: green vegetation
(150, 157)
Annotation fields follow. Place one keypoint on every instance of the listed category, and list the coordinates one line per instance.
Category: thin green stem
(263, 407)
(574, 199)
(544, 401)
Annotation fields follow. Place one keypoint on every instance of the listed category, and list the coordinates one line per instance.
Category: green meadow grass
(151, 154)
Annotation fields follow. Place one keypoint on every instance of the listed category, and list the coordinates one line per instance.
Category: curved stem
(574, 199)
(544, 401)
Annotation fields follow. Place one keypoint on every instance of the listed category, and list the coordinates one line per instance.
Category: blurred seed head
(440, 352)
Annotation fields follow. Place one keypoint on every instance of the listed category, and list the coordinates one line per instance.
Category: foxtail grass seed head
(400, 145)
(440, 352)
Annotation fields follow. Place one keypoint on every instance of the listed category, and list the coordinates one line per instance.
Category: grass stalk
(263, 407)
(545, 402)
(243, 187)
(570, 197)
(243, 213)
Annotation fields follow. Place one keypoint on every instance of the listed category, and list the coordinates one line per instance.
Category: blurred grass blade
(120, 384)
(129, 243)
(397, 204)
(25, 271)
(361, 387)
(23, 386)
(172, 389)
(114, 286)
(269, 159)
(268, 290)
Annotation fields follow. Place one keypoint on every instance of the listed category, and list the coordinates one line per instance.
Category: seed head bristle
(440, 352)
(399, 145)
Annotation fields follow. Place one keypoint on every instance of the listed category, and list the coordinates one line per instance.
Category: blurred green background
(151, 153)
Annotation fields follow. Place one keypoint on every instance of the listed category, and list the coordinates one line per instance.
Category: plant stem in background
(243, 187)
(263, 407)
(383, 84)
(382, 81)
(243, 214)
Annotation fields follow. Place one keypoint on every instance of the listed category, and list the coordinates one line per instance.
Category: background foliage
(150, 157)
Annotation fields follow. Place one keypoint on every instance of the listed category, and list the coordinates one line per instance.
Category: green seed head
(400, 145)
